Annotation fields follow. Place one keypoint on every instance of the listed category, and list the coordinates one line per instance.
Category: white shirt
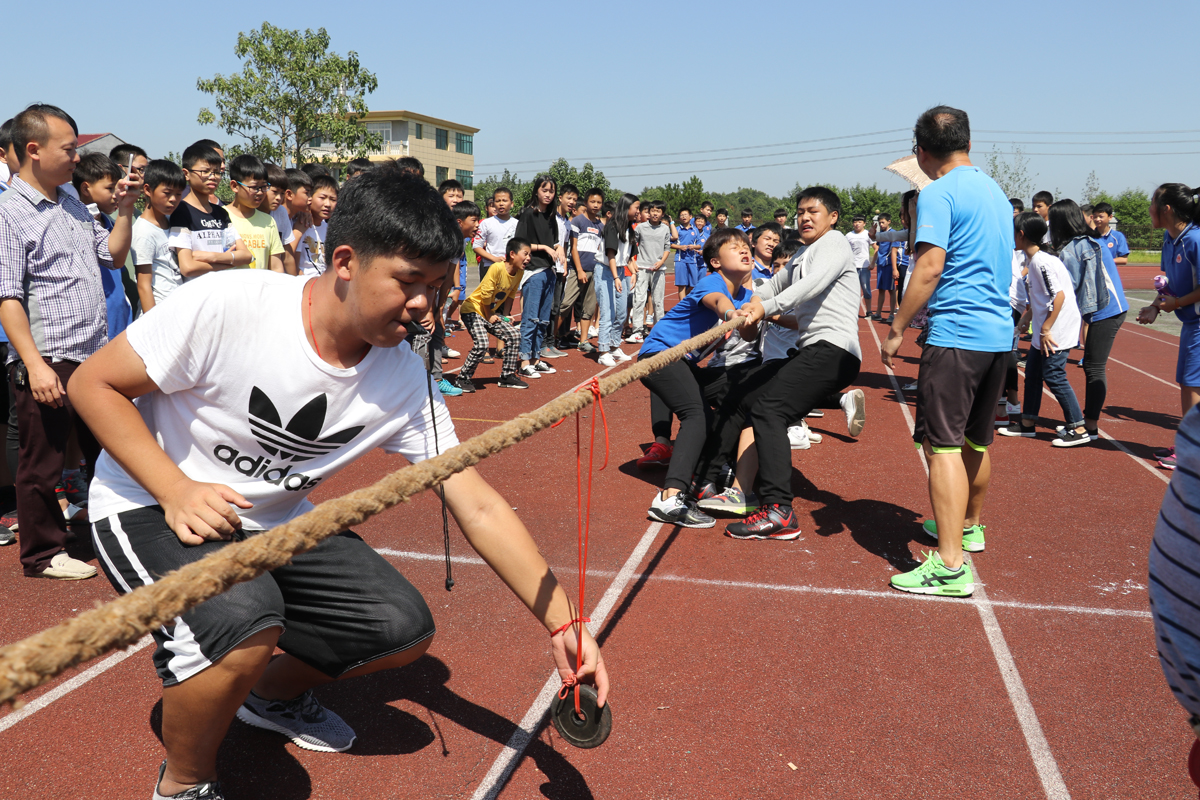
(284, 223)
(860, 244)
(494, 234)
(1047, 277)
(1018, 297)
(310, 252)
(150, 247)
(245, 401)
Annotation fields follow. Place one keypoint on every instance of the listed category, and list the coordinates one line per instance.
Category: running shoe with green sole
(972, 536)
(934, 577)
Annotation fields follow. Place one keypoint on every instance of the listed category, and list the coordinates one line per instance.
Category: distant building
(97, 143)
(446, 149)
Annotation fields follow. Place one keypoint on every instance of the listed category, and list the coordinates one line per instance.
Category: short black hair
(198, 152)
(767, 227)
(706, 204)
(247, 168)
(276, 175)
(608, 208)
(780, 212)
(160, 171)
(885, 215)
(211, 144)
(313, 169)
(943, 130)
(747, 212)
(93, 167)
(327, 181)
(718, 240)
(1086, 208)
(859, 218)
(357, 166)
(298, 179)
(1030, 224)
(568, 187)
(721, 211)
(515, 244)
(785, 249)
(449, 185)
(824, 196)
(1043, 197)
(388, 211)
(685, 208)
(31, 126)
(412, 164)
(659, 204)
(1017, 203)
(464, 209)
(6, 134)
(1103, 208)
(592, 192)
(502, 190)
(122, 152)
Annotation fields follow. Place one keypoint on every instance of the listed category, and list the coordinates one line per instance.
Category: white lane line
(1155, 338)
(1035, 739)
(787, 587)
(1147, 374)
(493, 782)
(66, 687)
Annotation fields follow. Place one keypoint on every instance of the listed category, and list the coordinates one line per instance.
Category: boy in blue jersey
(747, 221)
(963, 268)
(764, 240)
(885, 261)
(687, 271)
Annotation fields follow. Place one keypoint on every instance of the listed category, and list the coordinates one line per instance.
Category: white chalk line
(68, 686)
(792, 588)
(1035, 739)
(1142, 371)
(493, 782)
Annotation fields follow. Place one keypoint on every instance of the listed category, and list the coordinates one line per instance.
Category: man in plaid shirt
(52, 307)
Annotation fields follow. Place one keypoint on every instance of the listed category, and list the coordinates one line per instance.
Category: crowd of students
(156, 415)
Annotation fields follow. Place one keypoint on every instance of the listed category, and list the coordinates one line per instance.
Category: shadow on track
(881, 528)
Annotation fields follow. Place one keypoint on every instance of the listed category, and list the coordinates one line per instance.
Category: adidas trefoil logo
(298, 441)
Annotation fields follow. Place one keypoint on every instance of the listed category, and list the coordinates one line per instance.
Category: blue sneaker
(448, 389)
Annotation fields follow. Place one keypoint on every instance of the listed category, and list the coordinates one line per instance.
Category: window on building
(442, 174)
(464, 143)
(420, 130)
(465, 177)
(443, 138)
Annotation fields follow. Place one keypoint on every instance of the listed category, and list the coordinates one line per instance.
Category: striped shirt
(1175, 571)
(50, 259)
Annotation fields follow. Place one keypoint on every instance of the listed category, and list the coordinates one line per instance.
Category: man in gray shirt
(820, 289)
(653, 245)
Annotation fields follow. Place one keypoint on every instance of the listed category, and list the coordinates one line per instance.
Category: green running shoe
(972, 536)
(934, 577)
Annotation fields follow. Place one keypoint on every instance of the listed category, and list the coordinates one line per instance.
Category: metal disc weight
(589, 731)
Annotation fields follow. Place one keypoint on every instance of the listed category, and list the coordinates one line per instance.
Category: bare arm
(145, 285)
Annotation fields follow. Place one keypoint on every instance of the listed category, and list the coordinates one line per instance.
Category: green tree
(1091, 189)
(1014, 177)
(761, 204)
(562, 172)
(690, 194)
(292, 91)
(1132, 211)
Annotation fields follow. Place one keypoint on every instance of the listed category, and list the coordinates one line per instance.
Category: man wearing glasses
(260, 234)
(202, 237)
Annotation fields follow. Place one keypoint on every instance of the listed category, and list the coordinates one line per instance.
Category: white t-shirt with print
(284, 223)
(310, 252)
(150, 246)
(860, 244)
(494, 234)
(1047, 277)
(245, 401)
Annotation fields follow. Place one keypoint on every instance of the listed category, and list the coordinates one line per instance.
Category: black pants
(660, 418)
(1012, 378)
(1099, 344)
(811, 377)
(680, 386)
(560, 286)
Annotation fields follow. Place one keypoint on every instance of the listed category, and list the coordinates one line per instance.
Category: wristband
(557, 631)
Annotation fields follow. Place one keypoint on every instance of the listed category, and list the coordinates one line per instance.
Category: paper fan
(907, 168)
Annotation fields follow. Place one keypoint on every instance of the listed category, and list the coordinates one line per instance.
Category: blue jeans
(1052, 371)
(864, 280)
(537, 303)
(612, 303)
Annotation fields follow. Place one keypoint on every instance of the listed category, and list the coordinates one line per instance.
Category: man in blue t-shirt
(963, 267)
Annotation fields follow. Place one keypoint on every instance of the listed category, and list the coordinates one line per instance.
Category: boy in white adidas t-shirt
(222, 444)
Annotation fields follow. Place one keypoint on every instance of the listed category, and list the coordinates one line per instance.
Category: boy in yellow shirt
(248, 180)
(480, 313)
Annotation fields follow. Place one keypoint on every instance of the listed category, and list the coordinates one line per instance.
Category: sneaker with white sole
(813, 436)
(64, 568)
(550, 351)
(606, 360)
(450, 352)
(528, 372)
(635, 338)
(593, 333)
(543, 368)
(798, 437)
(1017, 429)
(854, 403)
(303, 720)
(1071, 438)
(621, 356)
(512, 381)
(448, 389)
(934, 577)
(676, 510)
(7, 537)
(972, 537)
(816, 413)
(210, 790)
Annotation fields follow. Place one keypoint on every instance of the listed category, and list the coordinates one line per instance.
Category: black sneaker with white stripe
(201, 791)
(302, 719)
(1071, 439)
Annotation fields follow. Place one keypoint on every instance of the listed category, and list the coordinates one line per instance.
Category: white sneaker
(854, 403)
(528, 372)
(607, 360)
(798, 437)
(593, 333)
(64, 568)
(634, 338)
(544, 368)
(621, 356)
(813, 436)
(452, 353)
(1012, 409)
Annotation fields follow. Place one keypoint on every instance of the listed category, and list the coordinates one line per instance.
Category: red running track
(774, 670)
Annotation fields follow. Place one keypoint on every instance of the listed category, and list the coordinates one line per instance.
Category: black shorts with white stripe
(340, 605)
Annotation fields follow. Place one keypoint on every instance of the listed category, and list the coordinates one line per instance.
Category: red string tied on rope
(584, 519)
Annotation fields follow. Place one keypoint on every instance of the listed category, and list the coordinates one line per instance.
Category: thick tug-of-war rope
(26, 664)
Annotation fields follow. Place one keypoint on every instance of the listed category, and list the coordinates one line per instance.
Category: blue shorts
(462, 275)
(883, 279)
(687, 273)
(1187, 371)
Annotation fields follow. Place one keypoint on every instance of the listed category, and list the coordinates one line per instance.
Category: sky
(736, 94)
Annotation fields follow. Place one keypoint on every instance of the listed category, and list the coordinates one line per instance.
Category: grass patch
(1145, 257)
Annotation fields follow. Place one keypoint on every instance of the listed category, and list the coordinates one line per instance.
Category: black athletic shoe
(202, 791)
(512, 382)
(465, 384)
(771, 521)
